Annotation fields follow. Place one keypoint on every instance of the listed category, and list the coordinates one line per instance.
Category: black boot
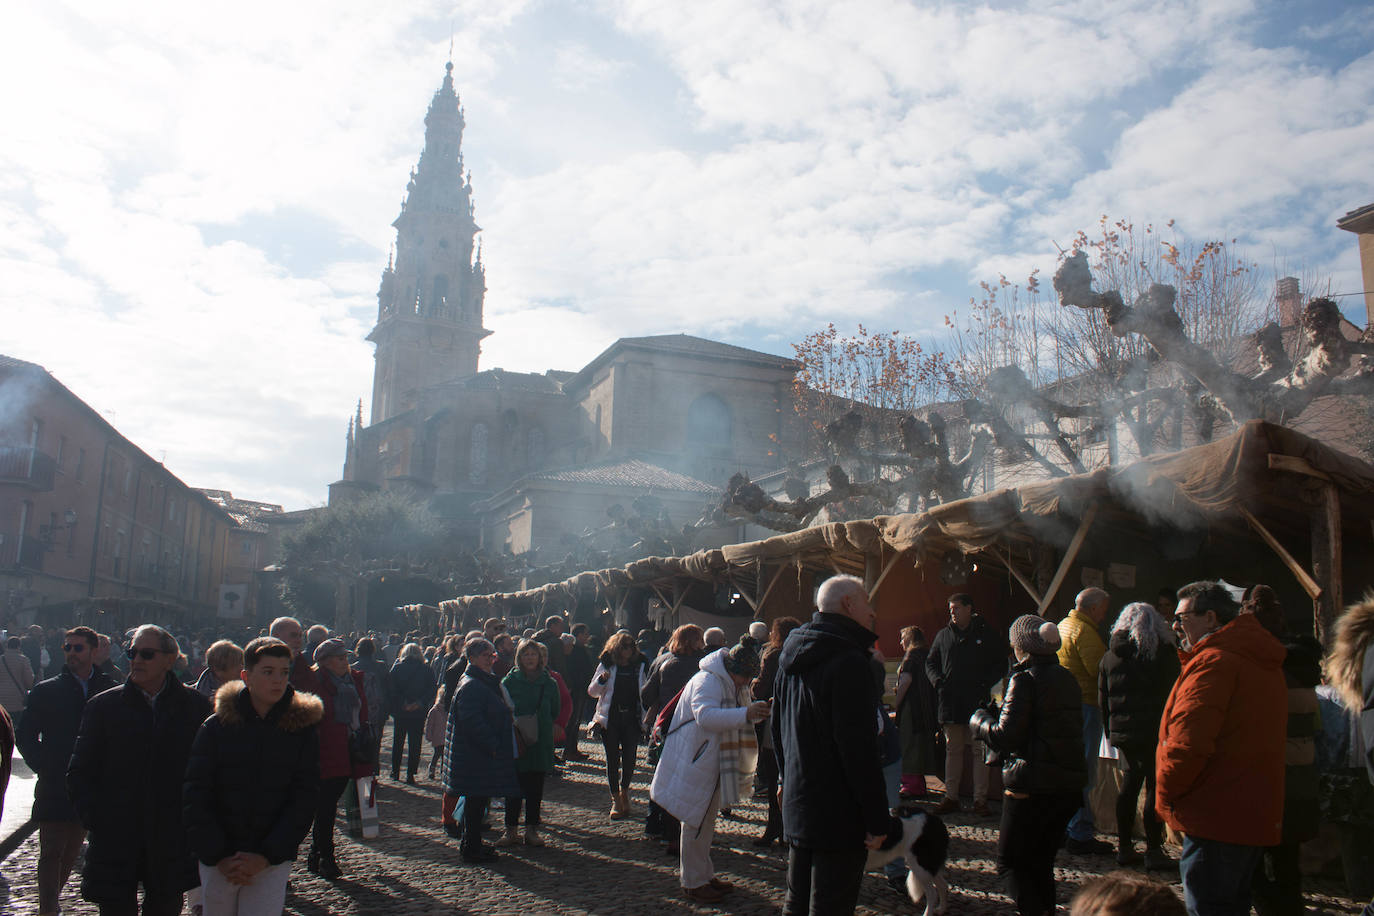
(329, 869)
(312, 862)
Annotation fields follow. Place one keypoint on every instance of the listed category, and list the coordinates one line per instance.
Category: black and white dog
(922, 840)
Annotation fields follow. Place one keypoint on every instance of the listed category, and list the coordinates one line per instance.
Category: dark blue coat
(411, 683)
(47, 732)
(251, 781)
(125, 780)
(825, 735)
(480, 740)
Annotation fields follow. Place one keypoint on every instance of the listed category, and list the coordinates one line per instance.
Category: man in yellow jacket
(1080, 651)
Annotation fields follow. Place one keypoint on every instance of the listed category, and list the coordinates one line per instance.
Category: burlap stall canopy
(1218, 478)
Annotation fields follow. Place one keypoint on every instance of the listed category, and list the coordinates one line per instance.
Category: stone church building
(533, 460)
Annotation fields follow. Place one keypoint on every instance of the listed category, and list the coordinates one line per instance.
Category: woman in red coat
(344, 747)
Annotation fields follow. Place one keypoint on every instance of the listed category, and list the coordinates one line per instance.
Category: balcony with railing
(27, 554)
(27, 467)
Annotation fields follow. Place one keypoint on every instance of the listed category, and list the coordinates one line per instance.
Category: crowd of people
(205, 770)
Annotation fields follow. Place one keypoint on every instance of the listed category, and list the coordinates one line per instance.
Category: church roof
(626, 472)
(686, 345)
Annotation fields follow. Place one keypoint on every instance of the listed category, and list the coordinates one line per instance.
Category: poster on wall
(233, 600)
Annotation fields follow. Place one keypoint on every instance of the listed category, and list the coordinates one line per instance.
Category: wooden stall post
(1326, 561)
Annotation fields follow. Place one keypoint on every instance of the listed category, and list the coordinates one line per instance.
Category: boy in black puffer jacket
(249, 796)
(1039, 736)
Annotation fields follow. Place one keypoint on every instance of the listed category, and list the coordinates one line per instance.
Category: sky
(195, 200)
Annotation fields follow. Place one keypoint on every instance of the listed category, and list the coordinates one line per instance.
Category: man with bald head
(1081, 648)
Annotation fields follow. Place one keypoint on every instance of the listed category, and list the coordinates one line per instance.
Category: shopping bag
(366, 791)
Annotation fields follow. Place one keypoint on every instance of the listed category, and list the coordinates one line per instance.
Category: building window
(534, 447)
(128, 480)
(477, 455)
(61, 450)
(246, 548)
(710, 426)
(80, 464)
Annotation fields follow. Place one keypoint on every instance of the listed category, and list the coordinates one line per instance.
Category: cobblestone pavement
(591, 865)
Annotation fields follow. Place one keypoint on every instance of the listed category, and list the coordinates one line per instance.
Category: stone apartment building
(90, 524)
(519, 461)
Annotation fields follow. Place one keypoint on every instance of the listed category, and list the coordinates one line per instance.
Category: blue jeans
(1081, 826)
(1217, 876)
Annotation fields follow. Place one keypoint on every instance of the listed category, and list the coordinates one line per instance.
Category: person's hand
(232, 869)
(873, 842)
(757, 711)
(250, 863)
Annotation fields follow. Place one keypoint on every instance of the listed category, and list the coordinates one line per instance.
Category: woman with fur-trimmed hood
(1350, 669)
(251, 782)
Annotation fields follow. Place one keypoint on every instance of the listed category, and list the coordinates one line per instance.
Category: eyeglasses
(1184, 615)
(146, 654)
(73, 647)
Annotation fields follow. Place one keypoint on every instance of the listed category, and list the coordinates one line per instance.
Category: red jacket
(334, 759)
(1219, 767)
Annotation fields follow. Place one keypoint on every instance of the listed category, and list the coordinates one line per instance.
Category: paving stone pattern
(591, 865)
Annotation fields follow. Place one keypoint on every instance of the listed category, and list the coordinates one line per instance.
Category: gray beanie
(330, 647)
(1034, 635)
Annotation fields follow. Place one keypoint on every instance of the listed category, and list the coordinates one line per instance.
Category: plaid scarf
(739, 753)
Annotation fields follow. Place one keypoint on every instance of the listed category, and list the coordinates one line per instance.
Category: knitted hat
(743, 657)
(330, 647)
(1034, 635)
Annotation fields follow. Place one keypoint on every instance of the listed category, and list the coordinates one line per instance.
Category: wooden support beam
(1326, 561)
(1308, 584)
(744, 593)
(763, 600)
(1296, 465)
(873, 592)
(1005, 559)
(1071, 554)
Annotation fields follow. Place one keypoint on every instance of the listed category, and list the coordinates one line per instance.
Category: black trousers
(532, 785)
(411, 729)
(823, 882)
(767, 782)
(1032, 832)
(1276, 889)
(159, 905)
(474, 812)
(574, 727)
(621, 740)
(1140, 770)
(326, 807)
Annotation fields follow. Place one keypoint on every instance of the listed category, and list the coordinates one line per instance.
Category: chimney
(1289, 300)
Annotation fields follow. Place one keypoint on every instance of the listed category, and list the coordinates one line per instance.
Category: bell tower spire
(429, 305)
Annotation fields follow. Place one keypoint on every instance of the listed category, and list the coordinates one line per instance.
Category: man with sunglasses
(46, 734)
(1219, 766)
(125, 780)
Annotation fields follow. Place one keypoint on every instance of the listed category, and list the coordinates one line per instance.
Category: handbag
(360, 746)
(527, 726)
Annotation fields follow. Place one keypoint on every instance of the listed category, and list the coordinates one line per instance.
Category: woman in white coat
(616, 686)
(704, 759)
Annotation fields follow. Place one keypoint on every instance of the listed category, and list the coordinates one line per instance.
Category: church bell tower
(429, 307)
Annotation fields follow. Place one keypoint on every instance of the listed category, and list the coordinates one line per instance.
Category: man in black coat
(825, 732)
(965, 660)
(251, 782)
(47, 731)
(125, 781)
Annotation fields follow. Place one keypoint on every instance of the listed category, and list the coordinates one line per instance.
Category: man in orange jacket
(1220, 760)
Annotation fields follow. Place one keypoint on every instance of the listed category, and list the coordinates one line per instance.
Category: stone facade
(491, 449)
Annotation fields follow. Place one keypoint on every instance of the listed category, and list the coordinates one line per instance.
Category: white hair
(830, 596)
(1144, 626)
(166, 642)
(412, 650)
(714, 636)
(759, 630)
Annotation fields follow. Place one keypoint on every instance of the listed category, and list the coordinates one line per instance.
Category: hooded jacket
(480, 742)
(689, 770)
(1080, 651)
(1132, 691)
(825, 735)
(1040, 729)
(251, 780)
(1350, 668)
(1219, 764)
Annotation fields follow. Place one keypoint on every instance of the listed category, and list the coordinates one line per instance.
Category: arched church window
(710, 425)
(439, 303)
(477, 455)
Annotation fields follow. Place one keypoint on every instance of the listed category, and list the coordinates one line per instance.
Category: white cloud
(195, 205)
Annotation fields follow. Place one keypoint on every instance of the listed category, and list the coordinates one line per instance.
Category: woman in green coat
(534, 694)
